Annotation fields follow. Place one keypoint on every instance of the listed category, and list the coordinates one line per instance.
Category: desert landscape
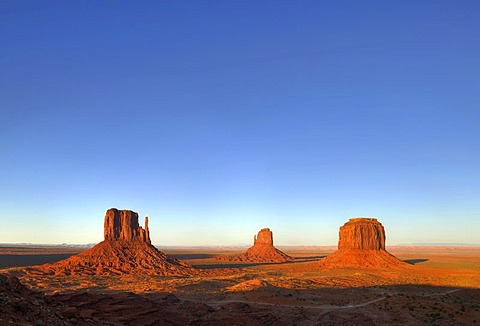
(124, 280)
(239, 163)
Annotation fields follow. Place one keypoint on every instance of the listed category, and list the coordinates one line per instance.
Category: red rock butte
(362, 233)
(123, 225)
(261, 251)
(361, 244)
(264, 237)
(127, 249)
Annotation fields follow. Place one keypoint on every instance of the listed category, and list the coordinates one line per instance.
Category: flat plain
(441, 286)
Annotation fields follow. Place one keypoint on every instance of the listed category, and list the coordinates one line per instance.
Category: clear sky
(218, 118)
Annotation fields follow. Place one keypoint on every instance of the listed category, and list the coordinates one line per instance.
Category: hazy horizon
(236, 245)
(217, 119)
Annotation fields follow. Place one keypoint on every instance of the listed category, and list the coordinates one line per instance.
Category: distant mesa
(362, 244)
(127, 249)
(261, 251)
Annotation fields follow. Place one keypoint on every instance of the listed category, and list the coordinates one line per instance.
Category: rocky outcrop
(261, 251)
(362, 233)
(264, 237)
(127, 249)
(22, 306)
(361, 244)
(123, 225)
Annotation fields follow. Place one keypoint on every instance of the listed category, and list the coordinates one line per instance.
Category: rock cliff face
(362, 233)
(361, 244)
(264, 237)
(261, 251)
(123, 225)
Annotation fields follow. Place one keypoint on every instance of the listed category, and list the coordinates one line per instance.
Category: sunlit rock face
(123, 225)
(362, 233)
(264, 237)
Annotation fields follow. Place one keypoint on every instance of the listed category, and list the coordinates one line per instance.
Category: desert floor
(441, 286)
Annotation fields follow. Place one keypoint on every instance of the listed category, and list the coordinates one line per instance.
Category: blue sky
(216, 119)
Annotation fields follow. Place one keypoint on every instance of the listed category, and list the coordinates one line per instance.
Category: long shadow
(245, 265)
(309, 257)
(191, 256)
(30, 260)
(415, 261)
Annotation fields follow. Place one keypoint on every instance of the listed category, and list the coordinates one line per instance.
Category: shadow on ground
(191, 256)
(309, 258)
(415, 261)
(380, 305)
(30, 260)
(251, 264)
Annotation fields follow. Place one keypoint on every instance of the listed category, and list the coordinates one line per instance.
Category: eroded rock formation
(123, 225)
(126, 249)
(362, 244)
(362, 233)
(261, 251)
(264, 237)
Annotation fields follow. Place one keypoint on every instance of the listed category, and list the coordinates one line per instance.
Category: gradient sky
(218, 118)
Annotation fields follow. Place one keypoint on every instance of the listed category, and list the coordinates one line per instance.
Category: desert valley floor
(441, 286)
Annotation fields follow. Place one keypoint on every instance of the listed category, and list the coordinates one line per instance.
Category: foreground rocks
(128, 308)
(254, 302)
(21, 306)
(362, 244)
(261, 251)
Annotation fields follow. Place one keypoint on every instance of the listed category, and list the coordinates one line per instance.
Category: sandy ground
(440, 287)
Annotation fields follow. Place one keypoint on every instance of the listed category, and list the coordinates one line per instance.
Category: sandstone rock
(69, 312)
(264, 237)
(361, 244)
(123, 225)
(261, 251)
(127, 249)
(14, 284)
(20, 305)
(362, 233)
